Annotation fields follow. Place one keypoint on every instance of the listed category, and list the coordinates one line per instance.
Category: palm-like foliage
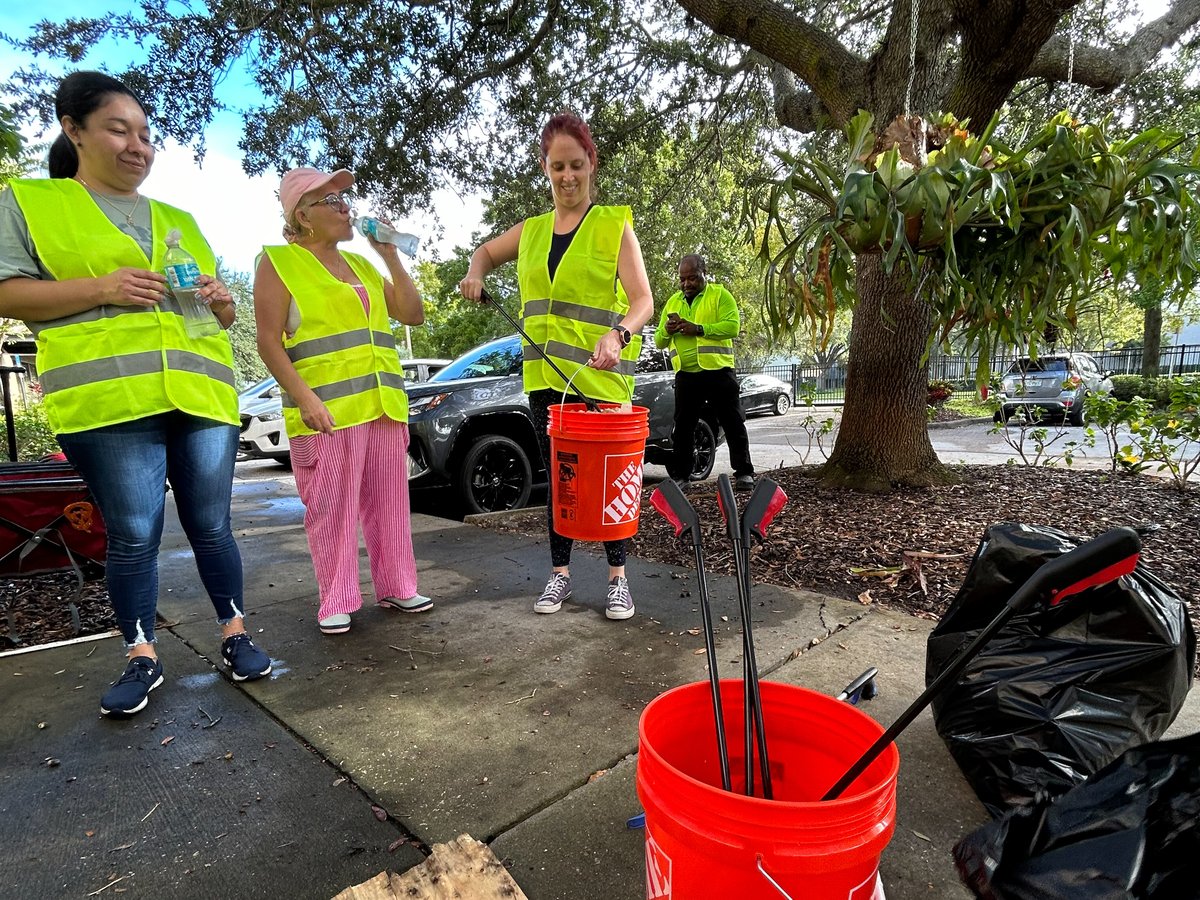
(1007, 239)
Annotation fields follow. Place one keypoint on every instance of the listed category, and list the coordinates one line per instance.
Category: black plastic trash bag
(1132, 830)
(1061, 691)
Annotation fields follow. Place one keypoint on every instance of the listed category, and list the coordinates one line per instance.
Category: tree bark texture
(884, 438)
(1152, 342)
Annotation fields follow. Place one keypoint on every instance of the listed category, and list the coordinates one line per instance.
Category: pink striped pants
(357, 475)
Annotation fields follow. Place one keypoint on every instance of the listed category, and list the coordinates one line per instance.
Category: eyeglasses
(344, 200)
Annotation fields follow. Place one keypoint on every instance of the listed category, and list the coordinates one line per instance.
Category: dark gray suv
(471, 428)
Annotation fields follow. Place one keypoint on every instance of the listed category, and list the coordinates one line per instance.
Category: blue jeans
(127, 467)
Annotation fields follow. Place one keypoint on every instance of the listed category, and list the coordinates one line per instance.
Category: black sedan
(764, 394)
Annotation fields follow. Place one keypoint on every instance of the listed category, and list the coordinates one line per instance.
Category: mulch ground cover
(910, 550)
(37, 609)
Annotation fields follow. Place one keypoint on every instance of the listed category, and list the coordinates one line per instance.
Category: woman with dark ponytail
(134, 400)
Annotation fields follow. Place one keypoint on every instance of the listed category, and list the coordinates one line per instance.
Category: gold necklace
(137, 198)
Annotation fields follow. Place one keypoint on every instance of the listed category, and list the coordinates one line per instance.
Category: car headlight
(271, 416)
(432, 401)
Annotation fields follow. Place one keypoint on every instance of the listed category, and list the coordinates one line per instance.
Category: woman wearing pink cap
(323, 331)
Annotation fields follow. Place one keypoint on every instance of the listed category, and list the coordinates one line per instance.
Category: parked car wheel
(704, 451)
(782, 404)
(1078, 413)
(495, 475)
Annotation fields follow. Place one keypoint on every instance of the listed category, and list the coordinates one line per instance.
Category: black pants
(717, 390)
(560, 547)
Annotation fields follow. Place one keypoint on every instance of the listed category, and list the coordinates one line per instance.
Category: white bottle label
(183, 276)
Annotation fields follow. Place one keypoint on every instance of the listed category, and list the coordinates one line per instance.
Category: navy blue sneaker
(246, 662)
(131, 692)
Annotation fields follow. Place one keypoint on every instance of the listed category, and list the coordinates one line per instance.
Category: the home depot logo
(658, 870)
(622, 488)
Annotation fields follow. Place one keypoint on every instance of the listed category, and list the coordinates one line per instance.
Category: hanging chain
(1071, 50)
(912, 55)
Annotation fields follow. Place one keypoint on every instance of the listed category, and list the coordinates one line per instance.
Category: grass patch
(968, 405)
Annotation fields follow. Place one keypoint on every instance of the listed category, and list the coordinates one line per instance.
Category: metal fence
(827, 384)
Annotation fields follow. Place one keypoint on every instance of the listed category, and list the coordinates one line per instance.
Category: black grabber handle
(591, 404)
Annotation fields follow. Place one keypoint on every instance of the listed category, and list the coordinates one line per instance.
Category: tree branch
(796, 109)
(835, 74)
(1105, 69)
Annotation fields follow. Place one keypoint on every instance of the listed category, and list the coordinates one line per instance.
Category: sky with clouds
(237, 213)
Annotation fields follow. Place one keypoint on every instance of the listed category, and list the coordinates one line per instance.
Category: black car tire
(495, 475)
(1078, 414)
(782, 404)
(704, 451)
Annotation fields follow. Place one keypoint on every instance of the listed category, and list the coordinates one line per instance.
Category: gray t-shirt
(18, 255)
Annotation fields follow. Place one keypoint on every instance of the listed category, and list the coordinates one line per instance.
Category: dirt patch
(853, 546)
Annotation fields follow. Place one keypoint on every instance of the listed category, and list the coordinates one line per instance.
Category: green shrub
(34, 437)
(1156, 390)
(1126, 387)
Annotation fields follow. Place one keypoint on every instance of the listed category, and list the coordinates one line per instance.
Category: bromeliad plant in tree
(1007, 240)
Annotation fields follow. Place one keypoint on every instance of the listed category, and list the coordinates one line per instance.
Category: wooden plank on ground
(463, 869)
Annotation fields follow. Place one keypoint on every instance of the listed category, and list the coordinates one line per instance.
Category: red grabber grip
(668, 499)
(765, 503)
(1099, 561)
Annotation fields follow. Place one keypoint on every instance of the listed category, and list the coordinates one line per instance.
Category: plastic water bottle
(183, 275)
(386, 234)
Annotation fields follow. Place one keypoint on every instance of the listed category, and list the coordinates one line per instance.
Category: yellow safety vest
(566, 317)
(348, 358)
(711, 353)
(113, 364)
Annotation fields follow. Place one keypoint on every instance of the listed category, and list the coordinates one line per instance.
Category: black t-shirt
(560, 242)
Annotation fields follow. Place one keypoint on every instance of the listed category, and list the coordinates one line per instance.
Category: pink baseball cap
(298, 182)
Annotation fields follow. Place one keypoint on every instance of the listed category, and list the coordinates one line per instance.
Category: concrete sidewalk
(361, 751)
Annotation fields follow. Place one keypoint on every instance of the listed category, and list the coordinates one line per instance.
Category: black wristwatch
(626, 337)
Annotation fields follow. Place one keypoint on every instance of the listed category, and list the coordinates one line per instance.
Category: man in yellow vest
(699, 323)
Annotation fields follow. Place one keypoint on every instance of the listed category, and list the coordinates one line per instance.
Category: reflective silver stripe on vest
(145, 363)
(343, 340)
(186, 361)
(606, 318)
(392, 380)
(94, 314)
(726, 351)
(574, 354)
(360, 384)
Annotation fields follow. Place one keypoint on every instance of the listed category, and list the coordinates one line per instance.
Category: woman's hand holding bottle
(128, 286)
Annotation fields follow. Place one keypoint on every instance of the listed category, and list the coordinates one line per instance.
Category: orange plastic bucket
(702, 841)
(595, 472)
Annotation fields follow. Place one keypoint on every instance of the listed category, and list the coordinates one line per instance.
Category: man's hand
(691, 329)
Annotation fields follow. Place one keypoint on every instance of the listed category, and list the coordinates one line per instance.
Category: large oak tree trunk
(883, 440)
(1151, 339)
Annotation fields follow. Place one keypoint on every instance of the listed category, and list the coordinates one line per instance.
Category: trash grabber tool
(751, 699)
(861, 687)
(1099, 561)
(668, 499)
(765, 503)
(591, 404)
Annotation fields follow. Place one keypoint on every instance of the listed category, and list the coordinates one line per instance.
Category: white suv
(261, 409)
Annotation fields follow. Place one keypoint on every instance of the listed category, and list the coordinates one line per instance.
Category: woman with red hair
(584, 299)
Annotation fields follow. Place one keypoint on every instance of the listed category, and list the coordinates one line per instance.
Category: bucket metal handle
(583, 366)
(767, 875)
